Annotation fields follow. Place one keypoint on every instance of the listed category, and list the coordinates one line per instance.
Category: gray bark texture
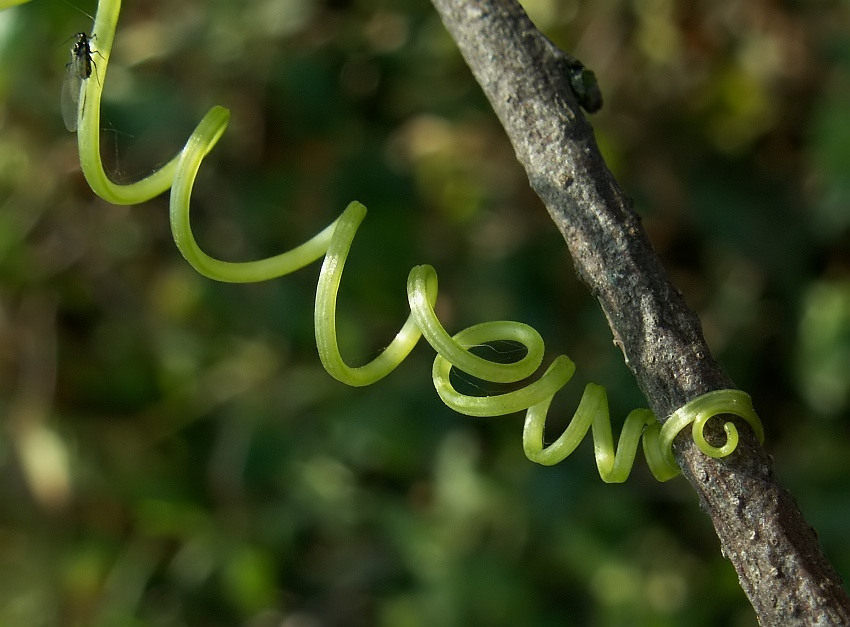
(779, 563)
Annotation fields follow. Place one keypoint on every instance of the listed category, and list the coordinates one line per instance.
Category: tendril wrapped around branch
(334, 243)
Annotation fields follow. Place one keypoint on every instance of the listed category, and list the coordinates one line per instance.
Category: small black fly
(81, 55)
(78, 70)
(584, 86)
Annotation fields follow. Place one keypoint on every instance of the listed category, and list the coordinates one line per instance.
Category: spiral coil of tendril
(334, 242)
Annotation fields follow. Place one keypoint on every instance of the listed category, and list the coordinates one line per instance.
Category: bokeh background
(172, 452)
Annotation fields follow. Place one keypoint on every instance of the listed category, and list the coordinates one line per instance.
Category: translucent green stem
(334, 244)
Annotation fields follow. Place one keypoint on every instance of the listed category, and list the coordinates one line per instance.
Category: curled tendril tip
(333, 245)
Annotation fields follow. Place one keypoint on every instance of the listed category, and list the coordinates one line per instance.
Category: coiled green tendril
(334, 242)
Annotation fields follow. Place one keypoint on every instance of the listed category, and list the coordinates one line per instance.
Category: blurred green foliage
(173, 453)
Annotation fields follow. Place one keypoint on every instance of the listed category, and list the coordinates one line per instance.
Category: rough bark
(761, 530)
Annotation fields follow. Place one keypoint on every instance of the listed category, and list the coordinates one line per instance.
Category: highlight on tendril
(5, 4)
(333, 244)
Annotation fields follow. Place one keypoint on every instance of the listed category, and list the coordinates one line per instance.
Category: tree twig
(780, 565)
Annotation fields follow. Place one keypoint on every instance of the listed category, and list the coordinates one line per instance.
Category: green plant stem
(334, 244)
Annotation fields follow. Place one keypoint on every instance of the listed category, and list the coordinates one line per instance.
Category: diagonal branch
(762, 532)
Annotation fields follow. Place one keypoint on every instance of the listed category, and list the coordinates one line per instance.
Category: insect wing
(70, 99)
(78, 70)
